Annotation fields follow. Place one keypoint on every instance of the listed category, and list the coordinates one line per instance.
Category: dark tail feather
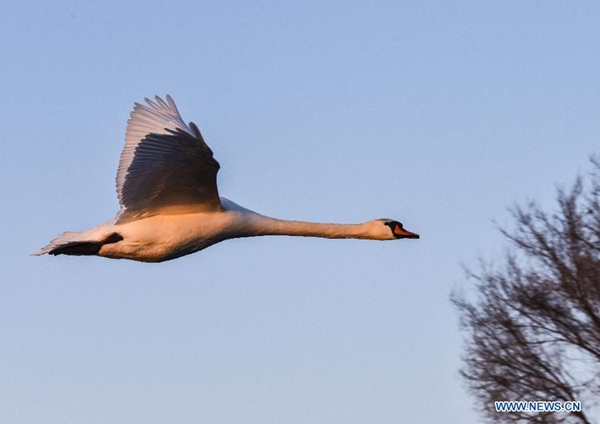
(78, 247)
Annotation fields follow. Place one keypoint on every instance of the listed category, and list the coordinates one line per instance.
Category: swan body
(170, 205)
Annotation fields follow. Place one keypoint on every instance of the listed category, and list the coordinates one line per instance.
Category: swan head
(388, 229)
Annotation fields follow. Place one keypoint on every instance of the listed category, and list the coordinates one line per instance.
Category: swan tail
(73, 243)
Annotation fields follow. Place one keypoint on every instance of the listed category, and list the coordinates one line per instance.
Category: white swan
(170, 206)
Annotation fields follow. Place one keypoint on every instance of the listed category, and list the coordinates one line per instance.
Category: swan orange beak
(400, 232)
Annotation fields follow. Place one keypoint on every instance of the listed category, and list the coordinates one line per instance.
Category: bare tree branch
(532, 322)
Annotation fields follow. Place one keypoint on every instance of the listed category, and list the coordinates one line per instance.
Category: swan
(170, 205)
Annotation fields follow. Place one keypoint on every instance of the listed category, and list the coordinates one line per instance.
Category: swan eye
(392, 224)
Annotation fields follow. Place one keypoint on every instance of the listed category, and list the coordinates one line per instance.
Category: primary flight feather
(170, 205)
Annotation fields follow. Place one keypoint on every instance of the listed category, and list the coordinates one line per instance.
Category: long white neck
(260, 225)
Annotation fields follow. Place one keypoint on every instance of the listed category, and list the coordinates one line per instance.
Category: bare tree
(532, 321)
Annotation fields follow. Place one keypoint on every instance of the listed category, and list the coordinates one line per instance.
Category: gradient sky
(439, 114)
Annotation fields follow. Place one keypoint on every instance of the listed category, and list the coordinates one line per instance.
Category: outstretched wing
(166, 167)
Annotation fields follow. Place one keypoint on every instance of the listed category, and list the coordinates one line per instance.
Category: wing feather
(165, 166)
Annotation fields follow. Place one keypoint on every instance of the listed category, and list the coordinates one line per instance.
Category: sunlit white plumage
(170, 205)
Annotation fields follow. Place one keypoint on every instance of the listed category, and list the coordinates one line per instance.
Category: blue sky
(439, 114)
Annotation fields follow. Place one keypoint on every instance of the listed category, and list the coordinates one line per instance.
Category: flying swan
(170, 205)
